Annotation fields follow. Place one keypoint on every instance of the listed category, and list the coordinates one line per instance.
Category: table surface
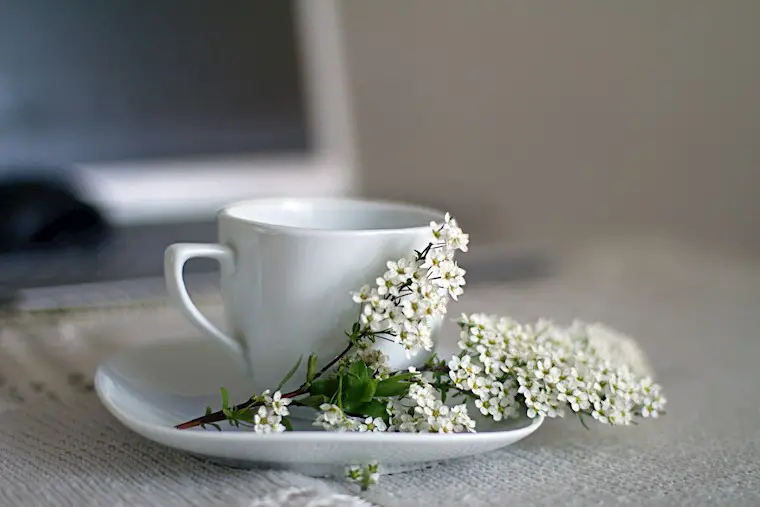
(695, 313)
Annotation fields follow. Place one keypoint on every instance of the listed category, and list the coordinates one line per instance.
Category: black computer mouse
(45, 214)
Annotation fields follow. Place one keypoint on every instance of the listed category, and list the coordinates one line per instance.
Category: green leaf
(213, 425)
(359, 370)
(432, 361)
(313, 401)
(361, 391)
(244, 415)
(289, 375)
(326, 387)
(396, 385)
(404, 376)
(353, 382)
(339, 392)
(225, 403)
(286, 423)
(377, 409)
(392, 387)
(354, 408)
(311, 368)
(369, 389)
(374, 408)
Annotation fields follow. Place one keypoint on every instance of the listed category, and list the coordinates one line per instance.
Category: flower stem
(218, 416)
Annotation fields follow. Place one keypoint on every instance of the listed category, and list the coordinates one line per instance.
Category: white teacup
(287, 269)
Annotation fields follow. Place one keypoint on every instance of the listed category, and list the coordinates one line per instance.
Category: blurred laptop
(124, 126)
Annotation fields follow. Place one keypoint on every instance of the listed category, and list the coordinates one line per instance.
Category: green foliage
(326, 387)
(439, 369)
(374, 408)
(213, 425)
(396, 385)
(225, 400)
(354, 389)
(313, 401)
(311, 369)
(290, 374)
(235, 415)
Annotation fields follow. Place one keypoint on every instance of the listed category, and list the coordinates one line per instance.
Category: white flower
(265, 421)
(362, 295)
(435, 258)
(450, 234)
(451, 278)
(413, 336)
(437, 230)
(376, 300)
(540, 368)
(652, 404)
(484, 405)
(396, 314)
(602, 411)
(424, 337)
(365, 476)
(406, 334)
(461, 419)
(435, 412)
(464, 372)
(486, 386)
(372, 425)
(332, 414)
(279, 404)
(578, 400)
(422, 394)
(375, 359)
(373, 319)
(476, 320)
(415, 307)
(386, 286)
(332, 418)
(401, 271)
(457, 240)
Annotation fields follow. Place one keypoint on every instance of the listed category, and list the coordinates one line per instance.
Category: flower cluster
(375, 359)
(269, 416)
(333, 418)
(504, 369)
(365, 476)
(422, 411)
(548, 369)
(413, 293)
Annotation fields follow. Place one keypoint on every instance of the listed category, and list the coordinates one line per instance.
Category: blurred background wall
(563, 120)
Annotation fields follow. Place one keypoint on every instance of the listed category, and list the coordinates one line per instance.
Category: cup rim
(430, 214)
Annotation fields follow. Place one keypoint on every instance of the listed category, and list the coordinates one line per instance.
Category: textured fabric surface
(696, 315)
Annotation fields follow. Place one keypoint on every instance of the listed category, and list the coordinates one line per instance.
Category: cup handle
(175, 258)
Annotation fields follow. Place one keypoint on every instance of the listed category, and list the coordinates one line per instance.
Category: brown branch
(218, 416)
(335, 360)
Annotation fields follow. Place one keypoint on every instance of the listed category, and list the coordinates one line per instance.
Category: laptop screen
(87, 82)
(84, 81)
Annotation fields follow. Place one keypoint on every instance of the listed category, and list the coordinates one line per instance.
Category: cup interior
(332, 214)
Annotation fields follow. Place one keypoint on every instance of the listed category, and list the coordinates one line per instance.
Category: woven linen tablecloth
(696, 314)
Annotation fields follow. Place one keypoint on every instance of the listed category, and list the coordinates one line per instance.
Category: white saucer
(150, 388)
